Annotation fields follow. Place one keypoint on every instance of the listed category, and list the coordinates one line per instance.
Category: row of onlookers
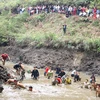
(68, 10)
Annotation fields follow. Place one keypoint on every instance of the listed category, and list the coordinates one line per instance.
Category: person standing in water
(57, 80)
(19, 67)
(46, 70)
(58, 70)
(35, 73)
(4, 57)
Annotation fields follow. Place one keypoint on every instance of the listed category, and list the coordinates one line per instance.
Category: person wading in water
(4, 57)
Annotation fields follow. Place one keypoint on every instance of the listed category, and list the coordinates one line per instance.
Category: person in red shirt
(57, 80)
(94, 12)
(46, 70)
(74, 10)
(4, 58)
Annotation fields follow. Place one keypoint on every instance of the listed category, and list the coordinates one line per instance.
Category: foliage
(27, 30)
(96, 23)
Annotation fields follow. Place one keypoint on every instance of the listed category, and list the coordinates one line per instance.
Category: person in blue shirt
(58, 70)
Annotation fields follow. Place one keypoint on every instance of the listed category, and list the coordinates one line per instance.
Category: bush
(96, 23)
(3, 41)
(41, 17)
(22, 17)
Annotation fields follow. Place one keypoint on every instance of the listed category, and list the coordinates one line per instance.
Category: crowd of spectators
(63, 9)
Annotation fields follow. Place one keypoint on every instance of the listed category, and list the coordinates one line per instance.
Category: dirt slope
(68, 59)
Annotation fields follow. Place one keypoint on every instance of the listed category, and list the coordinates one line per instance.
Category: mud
(43, 90)
(67, 59)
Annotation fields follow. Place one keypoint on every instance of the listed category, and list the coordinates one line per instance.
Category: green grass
(13, 3)
(45, 30)
(8, 3)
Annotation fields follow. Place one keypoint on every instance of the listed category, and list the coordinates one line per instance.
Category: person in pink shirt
(74, 10)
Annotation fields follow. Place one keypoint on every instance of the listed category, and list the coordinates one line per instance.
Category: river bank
(67, 59)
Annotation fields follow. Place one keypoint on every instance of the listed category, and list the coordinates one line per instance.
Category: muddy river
(44, 91)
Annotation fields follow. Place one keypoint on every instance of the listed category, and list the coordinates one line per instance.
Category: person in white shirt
(73, 73)
(86, 84)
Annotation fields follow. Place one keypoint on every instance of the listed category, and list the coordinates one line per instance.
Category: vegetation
(45, 30)
(12, 3)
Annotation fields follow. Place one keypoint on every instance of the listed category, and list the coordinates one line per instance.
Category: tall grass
(8, 3)
(49, 33)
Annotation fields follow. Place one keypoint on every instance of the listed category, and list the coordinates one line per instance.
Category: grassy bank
(12, 3)
(45, 30)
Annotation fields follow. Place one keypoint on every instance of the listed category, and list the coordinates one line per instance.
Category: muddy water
(44, 91)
